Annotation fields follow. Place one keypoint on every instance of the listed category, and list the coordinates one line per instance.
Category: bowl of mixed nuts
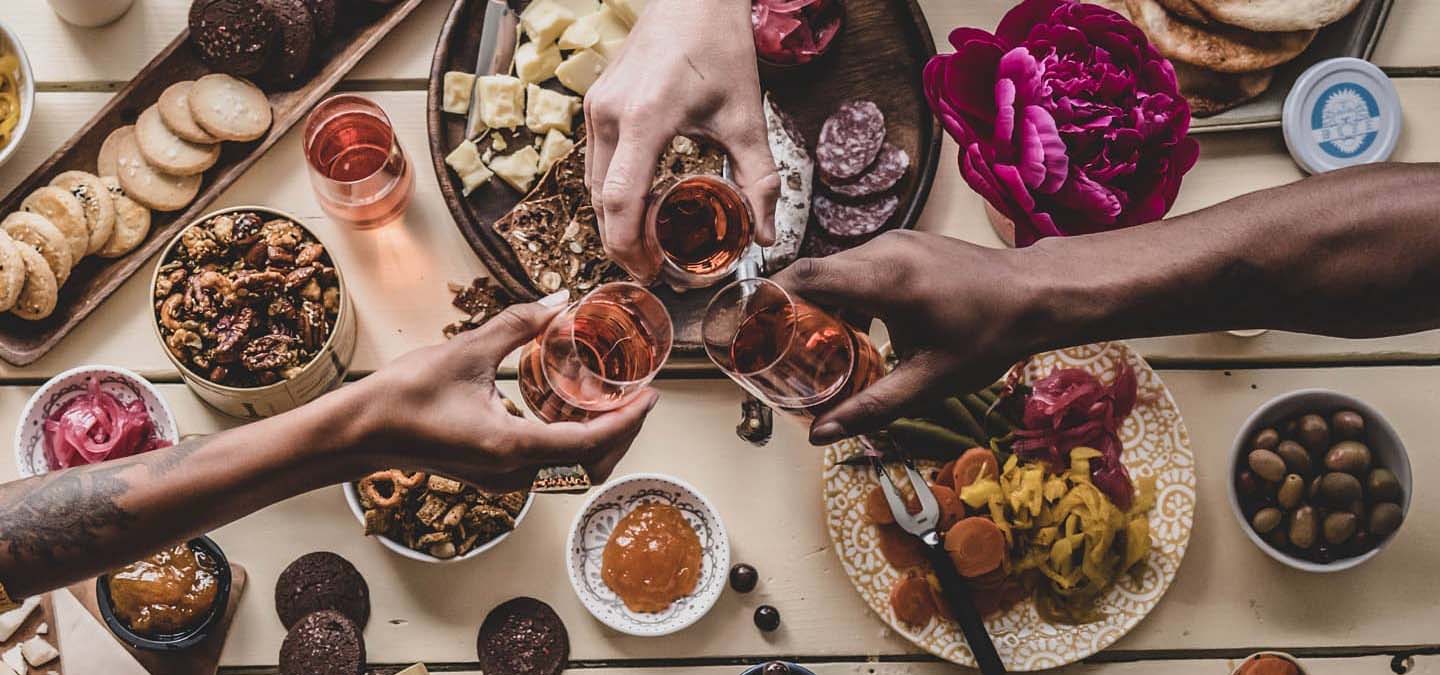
(253, 311)
(432, 518)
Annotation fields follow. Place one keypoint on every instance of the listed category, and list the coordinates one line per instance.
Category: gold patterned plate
(1156, 445)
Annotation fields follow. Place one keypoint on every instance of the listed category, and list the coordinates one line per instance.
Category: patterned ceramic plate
(1156, 445)
(124, 385)
(597, 520)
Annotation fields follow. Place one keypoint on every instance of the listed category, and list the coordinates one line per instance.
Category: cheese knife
(499, 34)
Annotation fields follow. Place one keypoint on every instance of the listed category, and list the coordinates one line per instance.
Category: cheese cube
(610, 25)
(609, 49)
(502, 101)
(465, 160)
(546, 110)
(456, 91)
(555, 146)
(581, 70)
(628, 10)
(497, 142)
(581, 34)
(518, 168)
(545, 20)
(14, 659)
(37, 651)
(533, 64)
(580, 8)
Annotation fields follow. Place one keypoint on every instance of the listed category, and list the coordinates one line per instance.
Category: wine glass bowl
(698, 228)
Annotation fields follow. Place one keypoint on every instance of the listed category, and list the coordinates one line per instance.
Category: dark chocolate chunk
(318, 581)
(854, 220)
(850, 140)
(293, 51)
(323, 643)
(523, 636)
(887, 170)
(232, 36)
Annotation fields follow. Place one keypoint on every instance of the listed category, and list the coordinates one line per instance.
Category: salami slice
(887, 170)
(818, 245)
(850, 140)
(854, 220)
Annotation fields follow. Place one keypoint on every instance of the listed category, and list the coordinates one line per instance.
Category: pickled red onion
(794, 31)
(1072, 408)
(94, 427)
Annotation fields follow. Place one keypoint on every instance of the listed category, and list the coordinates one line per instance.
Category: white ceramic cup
(90, 13)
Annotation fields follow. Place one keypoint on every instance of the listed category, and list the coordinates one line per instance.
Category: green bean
(964, 418)
(922, 435)
(988, 396)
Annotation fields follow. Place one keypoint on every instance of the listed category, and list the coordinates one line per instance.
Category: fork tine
(929, 507)
(892, 495)
(915, 523)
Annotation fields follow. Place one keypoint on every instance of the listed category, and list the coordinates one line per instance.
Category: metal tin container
(325, 371)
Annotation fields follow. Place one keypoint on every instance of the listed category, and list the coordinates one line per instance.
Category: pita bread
(1276, 15)
(1216, 47)
(1187, 10)
(1211, 93)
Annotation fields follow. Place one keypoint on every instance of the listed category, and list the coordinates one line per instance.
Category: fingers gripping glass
(697, 228)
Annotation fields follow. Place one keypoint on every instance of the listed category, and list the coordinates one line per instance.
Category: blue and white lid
(1341, 112)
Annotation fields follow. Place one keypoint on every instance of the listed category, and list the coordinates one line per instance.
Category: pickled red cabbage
(1071, 408)
(94, 426)
(792, 32)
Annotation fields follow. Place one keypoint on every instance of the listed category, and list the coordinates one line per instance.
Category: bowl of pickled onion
(88, 415)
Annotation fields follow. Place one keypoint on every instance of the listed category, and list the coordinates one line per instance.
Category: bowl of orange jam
(169, 600)
(648, 555)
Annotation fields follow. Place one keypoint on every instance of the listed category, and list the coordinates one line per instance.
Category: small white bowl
(123, 384)
(592, 529)
(1380, 437)
(1280, 655)
(352, 497)
(10, 44)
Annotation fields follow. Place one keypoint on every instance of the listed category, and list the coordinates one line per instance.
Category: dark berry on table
(775, 668)
(743, 578)
(767, 618)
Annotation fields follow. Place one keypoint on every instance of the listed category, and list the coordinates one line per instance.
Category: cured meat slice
(854, 220)
(797, 171)
(887, 170)
(850, 140)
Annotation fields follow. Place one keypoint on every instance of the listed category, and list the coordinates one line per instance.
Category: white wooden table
(1227, 601)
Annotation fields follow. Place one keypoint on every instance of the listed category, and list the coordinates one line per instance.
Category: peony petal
(1004, 133)
(1057, 164)
(1015, 27)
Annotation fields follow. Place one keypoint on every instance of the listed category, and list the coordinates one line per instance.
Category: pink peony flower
(1068, 120)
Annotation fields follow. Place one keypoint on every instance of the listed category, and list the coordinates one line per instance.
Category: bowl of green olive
(1320, 481)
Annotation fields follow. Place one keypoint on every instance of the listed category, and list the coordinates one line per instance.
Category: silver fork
(925, 525)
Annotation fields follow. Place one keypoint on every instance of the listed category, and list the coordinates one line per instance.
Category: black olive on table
(743, 578)
(767, 618)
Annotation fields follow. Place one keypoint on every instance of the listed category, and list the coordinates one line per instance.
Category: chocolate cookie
(523, 636)
(290, 55)
(233, 36)
(323, 643)
(326, 17)
(321, 580)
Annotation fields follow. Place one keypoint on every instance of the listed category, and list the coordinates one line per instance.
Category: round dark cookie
(321, 580)
(523, 636)
(854, 220)
(326, 17)
(232, 36)
(323, 643)
(882, 175)
(850, 140)
(294, 46)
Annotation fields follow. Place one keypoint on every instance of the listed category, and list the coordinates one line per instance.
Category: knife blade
(498, 35)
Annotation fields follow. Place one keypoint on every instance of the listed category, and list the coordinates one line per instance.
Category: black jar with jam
(169, 601)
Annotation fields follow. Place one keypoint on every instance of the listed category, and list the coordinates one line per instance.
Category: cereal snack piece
(63, 211)
(229, 108)
(323, 643)
(40, 293)
(174, 106)
(168, 152)
(151, 187)
(35, 230)
(321, 580)
(12, 271)
(132, 222)
(99, 205)
(107, 162)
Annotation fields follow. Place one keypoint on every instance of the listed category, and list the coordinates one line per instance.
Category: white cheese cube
(546, 110)
(580, 8)
(14, 659)
(38, 652)
(457, 90)
(465, 160)
(518, 168)
(12, 620)
(582, 34)
(497, 142)
(545, 20)
(533, 64)
(502, 101)
(581, 70)
(628, 10)
(609, 25)
(555, 146)
(609, 49)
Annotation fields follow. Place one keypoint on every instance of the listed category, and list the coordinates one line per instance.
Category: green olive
(1340, 526)
(1352, 457)
(1267, 465)
(1266, 519)
(1347, 425)
(1303, 527)
(1314, 433)
(1297, 459)
(1357, 507)
(1383, 486)
(1267, 439)
(1312, 492)
(1385, 519)
(1291, 491)
(1339, 489)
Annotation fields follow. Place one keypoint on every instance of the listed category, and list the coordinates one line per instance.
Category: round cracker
(1186, 9)
(33, 229)
(1216, 47)
(151, 187)
(65, 212)
(1277, 15)
(132, 222)
(174, 106)
(41, 291)
(229, 108)
(12, 271)
(98, 204)
(1211, 93)
(105, 162)
(168, 152)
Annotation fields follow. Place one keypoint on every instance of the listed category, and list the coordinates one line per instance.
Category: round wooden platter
(878, 55)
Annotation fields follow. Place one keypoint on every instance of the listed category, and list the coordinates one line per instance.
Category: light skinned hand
(688, 68)
(441, 412)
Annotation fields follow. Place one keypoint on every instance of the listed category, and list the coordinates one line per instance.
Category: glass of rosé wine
(360, 173)
(697, 227)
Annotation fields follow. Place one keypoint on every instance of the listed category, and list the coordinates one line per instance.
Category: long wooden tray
(878, 55)
(94, 279)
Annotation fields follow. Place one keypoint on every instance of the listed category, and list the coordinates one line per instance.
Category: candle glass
(360, 173)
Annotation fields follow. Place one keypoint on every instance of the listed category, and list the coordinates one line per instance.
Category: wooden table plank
(81, 57)
(1369, 665)
(1228, 594)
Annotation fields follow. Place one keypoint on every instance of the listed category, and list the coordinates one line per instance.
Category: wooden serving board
(878, 55)
(94, 279)
(44, 615)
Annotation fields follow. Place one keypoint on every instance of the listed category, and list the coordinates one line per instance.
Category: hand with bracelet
(1352, 253)
(435, 409)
